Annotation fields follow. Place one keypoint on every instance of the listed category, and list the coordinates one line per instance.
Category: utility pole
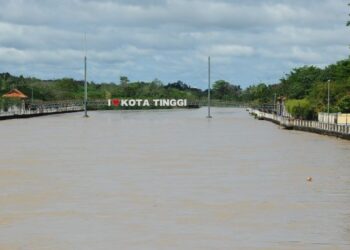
(85, 83)
(274, 103)
(209, 116)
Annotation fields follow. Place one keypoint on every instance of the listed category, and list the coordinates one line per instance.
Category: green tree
(223, 90)
(344, 104)
(124, 80)
(299, 82)
(258, 94)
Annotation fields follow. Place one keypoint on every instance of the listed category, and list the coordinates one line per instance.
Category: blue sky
(249, 41)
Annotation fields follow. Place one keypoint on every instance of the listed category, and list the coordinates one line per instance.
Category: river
(170, 180)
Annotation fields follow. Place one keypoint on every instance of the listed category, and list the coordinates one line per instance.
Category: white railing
(290, 122)
(42, 110)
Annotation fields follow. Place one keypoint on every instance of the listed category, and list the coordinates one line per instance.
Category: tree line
(305, 89)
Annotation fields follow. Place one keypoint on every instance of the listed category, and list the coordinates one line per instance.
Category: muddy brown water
(170, 180)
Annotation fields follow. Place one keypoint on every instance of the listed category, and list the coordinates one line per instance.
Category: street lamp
(328, 83)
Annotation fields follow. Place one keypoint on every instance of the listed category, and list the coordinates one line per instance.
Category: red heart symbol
(116, 102)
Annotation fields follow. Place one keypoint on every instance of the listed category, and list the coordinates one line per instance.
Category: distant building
(334, 118)
(343, 119)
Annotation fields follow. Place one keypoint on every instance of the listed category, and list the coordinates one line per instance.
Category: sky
(249, 41)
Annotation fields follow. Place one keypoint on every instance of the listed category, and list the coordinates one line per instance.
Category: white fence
(334, 118)
(327, 118)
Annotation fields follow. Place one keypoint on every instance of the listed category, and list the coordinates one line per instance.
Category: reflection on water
(170, 180)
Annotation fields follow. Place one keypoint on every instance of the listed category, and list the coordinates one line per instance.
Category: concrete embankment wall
(323, 132)
(337, 130)
(23, 116)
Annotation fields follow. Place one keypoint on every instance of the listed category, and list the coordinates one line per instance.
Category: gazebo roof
(15, 93)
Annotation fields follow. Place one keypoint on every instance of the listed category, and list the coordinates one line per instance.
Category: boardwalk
(39, 109)
(26, 110)
(341, 131)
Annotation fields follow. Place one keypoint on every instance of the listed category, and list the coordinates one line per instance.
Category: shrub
(301, 109)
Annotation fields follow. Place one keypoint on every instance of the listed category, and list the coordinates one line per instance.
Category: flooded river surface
(170, 180)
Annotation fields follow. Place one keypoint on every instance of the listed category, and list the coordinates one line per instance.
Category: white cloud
(230, 50)
(172, 38)
(299, 55)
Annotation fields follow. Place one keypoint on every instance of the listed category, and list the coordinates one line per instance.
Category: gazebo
(15, 93)
(15, 101)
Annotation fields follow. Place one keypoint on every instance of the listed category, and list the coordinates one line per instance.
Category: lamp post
(328, 83)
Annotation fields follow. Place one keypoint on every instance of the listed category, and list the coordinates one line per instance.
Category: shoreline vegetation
(304, 88)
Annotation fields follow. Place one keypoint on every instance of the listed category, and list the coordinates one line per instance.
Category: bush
(301, 109)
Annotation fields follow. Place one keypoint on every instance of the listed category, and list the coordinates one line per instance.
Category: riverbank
(336, 130)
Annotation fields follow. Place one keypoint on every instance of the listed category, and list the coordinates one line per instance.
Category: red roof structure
(15, 93)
